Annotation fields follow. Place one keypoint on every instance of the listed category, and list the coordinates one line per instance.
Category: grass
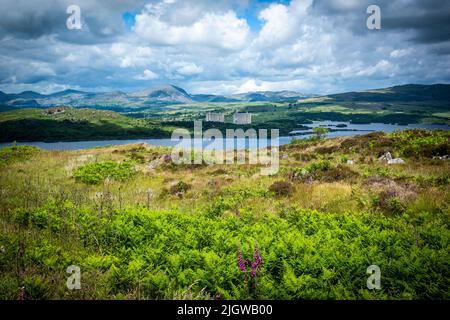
(75, 124)
(13, 154)
(174, 232)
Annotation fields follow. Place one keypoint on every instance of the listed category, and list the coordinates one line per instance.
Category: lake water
(337, 130)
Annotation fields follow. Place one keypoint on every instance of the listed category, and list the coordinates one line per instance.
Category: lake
(338, 129)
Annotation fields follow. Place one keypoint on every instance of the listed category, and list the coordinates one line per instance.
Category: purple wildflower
(256, 264)
(241, 261)
(236, 212)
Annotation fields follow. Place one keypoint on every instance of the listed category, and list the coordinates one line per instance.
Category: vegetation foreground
(140, 227)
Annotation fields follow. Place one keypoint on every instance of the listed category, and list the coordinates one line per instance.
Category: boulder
(388, 156)
(396, 161)
(385, 157)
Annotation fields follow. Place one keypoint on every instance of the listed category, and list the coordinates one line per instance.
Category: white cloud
(132, 56)
(207, 46)
(147, 75)
(223, 30)
(382, 67)
(400, 53)
(190, 69)
(255, 85)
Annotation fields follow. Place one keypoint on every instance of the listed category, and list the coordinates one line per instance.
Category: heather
(161, 231)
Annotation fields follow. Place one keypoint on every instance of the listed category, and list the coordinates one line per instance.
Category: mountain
(3, 96)
(213, 98)
(403, 93)
(29, 95)
(169, 93)
(68, 92)
(274, 96)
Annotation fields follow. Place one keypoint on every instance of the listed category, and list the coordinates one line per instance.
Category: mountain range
(168, 94)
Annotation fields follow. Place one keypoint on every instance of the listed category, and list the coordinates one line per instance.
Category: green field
(171, 231)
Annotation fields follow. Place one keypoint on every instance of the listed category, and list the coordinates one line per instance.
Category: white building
(242, 118)
(215, 117)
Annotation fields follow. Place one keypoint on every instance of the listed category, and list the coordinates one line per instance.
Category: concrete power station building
(242, 118)
(215, 117)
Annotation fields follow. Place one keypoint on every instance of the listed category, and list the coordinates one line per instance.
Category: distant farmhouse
(242, 118)
(215, 117)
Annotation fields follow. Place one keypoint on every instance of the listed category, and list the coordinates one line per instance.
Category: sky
(222, 46)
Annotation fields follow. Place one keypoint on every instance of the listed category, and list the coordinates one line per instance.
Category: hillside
(141, 227)
(406, 93)
(74, 124)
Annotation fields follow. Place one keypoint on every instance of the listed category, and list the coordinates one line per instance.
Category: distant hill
(274, 96)
(69, 124)
(404, 93)
(437, 94)
(168, 94)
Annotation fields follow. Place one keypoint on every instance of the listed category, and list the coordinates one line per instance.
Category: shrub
(423, 143)
(179, 187)
(393, 199)
(281, 188)
(320, 132)
(338, 173)
(94, 173)
(322, 165)
(14, 153)
(327, 150)
(35, 288)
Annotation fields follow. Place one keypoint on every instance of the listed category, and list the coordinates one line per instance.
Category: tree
(320, 132)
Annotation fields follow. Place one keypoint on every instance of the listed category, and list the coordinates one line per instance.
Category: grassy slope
(153, 237)
(74, 124)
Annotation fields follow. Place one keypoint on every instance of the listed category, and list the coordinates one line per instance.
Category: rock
(396, 161)
(285, 156)
(350, 162)
(385, 157)
(388, 156)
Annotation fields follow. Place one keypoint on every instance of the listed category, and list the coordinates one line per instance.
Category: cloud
(314, 46)
(255, 85)
(399, 53)
(383, 67)
(147, 75)
(190, 69)
(221, 30)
